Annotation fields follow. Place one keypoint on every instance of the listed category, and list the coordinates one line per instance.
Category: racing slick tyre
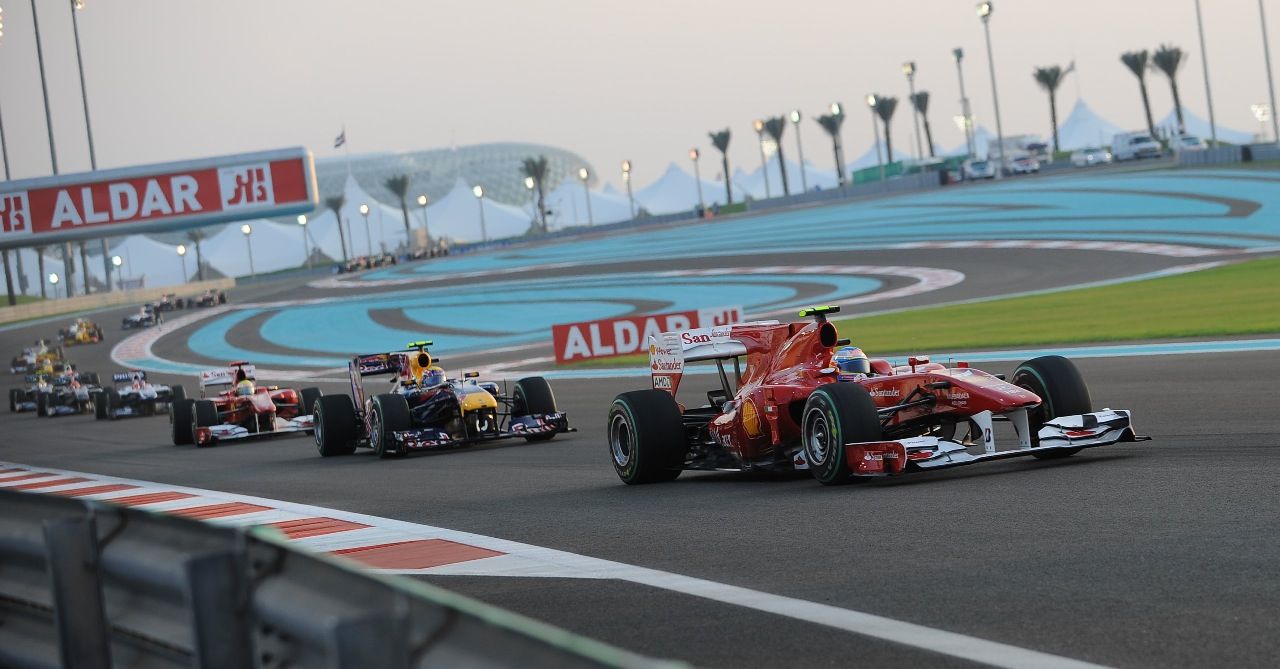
(177, 394)
(205, 414)
(834, 415)
(112, 400)
(42, 404)
(1057, 381)
(307, 401)
(390, 414)
(99, 405)
(90, 378)
(335, 421)
(646, 437)
(181, 422)
(532, 395)
(14, 398)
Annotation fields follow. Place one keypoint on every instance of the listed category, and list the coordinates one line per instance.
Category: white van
(1134, 145)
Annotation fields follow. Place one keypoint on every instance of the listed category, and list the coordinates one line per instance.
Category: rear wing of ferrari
(669, 351)
(227, 375)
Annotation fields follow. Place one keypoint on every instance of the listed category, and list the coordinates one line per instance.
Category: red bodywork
(785, 362)
(256, 412)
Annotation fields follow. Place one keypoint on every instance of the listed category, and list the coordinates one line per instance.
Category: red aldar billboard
(612, 337)
(155, 198)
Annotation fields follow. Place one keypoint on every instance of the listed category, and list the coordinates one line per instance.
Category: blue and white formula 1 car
(133, 395)
(56, 395)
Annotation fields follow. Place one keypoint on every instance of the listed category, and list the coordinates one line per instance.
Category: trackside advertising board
(612, 337)
(156, 198)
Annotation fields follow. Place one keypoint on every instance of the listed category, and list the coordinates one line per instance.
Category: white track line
(525, 560)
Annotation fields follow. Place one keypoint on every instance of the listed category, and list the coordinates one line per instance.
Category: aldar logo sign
(612, 337)
(14, 215)
(156, 198)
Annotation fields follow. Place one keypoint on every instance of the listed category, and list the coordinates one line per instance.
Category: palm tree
(399, 185)
(885, 106)
(536, 169)
(1137, 62)
(196, 236)
(1049, 79)
(831, 123)
(720, 140)
(335, 203)
(1168, 59)
(40, 269)
(775, 127)
(921, 102)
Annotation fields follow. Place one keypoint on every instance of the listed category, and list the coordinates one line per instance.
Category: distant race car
(208, 298)
(799, 404)
(243, 411)
(36, 358)
(145, 317)
(82, 331)
(425, 410)
(131, 394)
(53, 395)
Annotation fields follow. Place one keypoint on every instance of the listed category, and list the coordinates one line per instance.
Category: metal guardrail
(89, 584)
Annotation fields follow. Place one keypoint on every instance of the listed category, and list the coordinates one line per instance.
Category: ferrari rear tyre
(834, 415)
(335, 421)
(1063, 391)
(646, 437)
(532, 395)
(181, 422)
(307, 401)
(390, 414)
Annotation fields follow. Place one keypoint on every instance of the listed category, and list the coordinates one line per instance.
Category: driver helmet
(433, 376)
(851, 360)
(244, 388)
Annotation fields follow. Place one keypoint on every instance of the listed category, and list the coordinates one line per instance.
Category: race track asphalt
(1158, 554)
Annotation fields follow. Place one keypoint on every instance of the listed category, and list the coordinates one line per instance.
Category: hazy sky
(174, 79)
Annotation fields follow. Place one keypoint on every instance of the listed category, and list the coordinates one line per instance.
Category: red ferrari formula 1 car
(243, 411)
(800, 404)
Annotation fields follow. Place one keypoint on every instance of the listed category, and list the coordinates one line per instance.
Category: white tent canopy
(1200, 128)
(568, 205)
(456, 216)
(1083, 127)
(677, 191)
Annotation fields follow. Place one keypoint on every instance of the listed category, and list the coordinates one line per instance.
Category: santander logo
(694, 339)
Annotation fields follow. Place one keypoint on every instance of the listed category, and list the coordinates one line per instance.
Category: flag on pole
(340, 139)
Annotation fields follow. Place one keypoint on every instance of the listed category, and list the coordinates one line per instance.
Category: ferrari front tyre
(335, 421)
(836, 414)
(390, 414)
(177, 394)
(1063, 393)
(532, 395)
(646, 437)
(307, 401)
(204, 414)
(181, 421)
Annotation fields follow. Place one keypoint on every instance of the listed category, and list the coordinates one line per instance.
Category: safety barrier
(1216, 156)
(84, 303)
(89, 584)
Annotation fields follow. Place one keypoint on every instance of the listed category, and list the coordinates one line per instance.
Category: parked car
(978, 169)
(1189, 143)
(1090, 155)
(1134, 145)
(1025, 164)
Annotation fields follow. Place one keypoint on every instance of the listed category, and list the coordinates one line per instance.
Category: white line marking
(525, 560)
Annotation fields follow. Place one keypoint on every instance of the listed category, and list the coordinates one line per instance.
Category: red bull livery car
(245, 410)
(794, 396)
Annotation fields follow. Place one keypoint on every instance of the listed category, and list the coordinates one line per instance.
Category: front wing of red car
(230, 432)
(881, 458)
